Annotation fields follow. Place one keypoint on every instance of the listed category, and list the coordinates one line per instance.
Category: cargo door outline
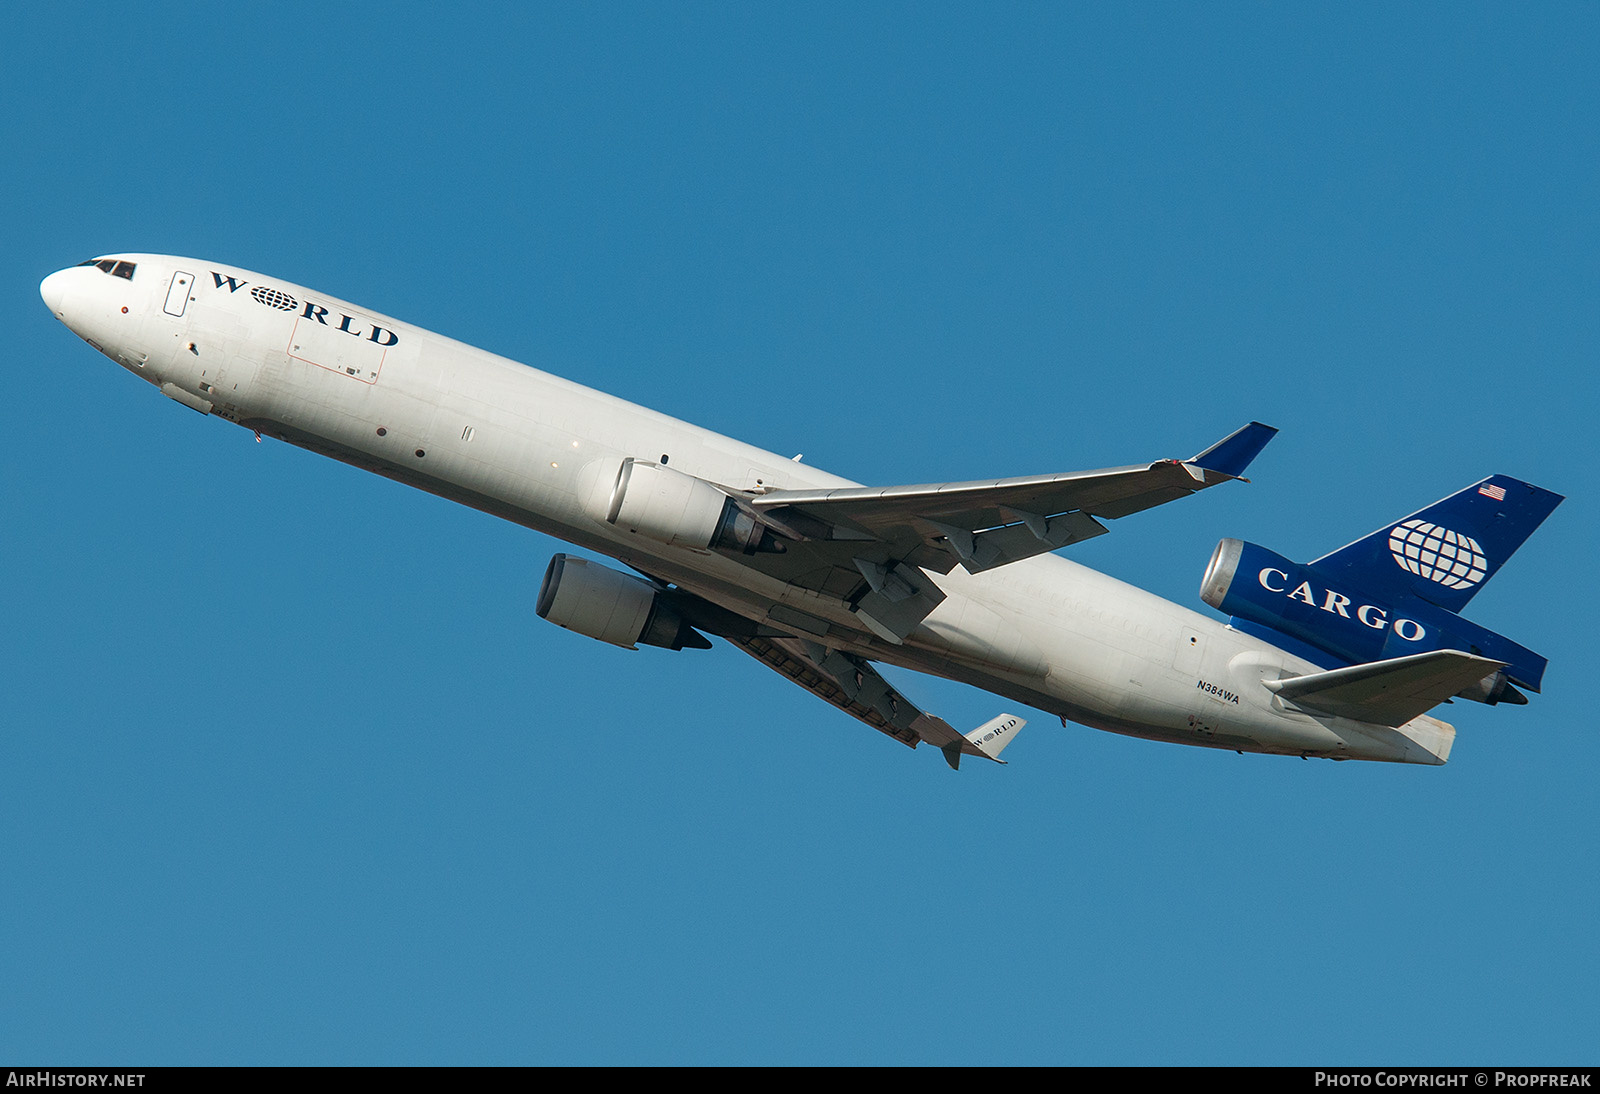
(1189, 659)
(338, 342)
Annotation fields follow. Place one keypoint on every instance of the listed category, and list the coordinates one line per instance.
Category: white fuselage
(522, 444)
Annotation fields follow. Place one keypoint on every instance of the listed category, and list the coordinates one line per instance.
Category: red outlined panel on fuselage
(351, 345)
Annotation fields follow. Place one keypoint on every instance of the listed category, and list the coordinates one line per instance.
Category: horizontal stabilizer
(988, 740)
(1387, 693)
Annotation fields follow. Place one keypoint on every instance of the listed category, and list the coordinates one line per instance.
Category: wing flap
(1387, 693)
(870, 700)
(855, 687)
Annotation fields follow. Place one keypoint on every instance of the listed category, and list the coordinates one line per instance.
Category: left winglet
(988, 740)
(1231, 455)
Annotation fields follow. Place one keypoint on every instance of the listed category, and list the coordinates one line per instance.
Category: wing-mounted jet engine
(1394, 593)
(666, 505)
(614, 607)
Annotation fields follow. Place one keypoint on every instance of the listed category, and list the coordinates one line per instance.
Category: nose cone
(54, 290)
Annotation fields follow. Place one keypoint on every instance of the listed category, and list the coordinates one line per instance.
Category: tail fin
(1448, 551)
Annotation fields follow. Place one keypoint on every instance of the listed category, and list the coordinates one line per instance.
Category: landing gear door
(178, 294)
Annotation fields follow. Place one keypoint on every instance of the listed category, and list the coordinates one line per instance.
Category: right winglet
(988, 740)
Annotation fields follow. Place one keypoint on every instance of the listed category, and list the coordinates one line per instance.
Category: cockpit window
(112, 266)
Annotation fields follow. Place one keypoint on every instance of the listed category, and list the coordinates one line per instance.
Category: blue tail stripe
(1447, 551)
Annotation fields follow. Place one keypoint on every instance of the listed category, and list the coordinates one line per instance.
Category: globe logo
(272, 298)
(1438, 554)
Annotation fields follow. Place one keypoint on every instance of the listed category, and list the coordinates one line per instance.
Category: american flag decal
(1498, 493)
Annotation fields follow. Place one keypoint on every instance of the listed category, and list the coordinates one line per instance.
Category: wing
(869, 546)
(856, 688)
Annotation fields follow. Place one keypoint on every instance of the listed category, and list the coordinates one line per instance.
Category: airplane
(819, 577)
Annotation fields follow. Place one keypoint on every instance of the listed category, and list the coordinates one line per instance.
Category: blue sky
(293, 773)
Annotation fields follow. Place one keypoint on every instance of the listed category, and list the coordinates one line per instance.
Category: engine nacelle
(614, 607)
(1253, 583)
(681, 511)
(1494, 689)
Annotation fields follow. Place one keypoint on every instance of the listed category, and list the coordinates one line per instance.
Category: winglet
(1232, 454)
(988, 740)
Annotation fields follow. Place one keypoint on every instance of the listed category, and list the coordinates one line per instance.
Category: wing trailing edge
(855, 687)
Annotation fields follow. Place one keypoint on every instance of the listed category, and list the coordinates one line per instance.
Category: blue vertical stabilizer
(1448, 551)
